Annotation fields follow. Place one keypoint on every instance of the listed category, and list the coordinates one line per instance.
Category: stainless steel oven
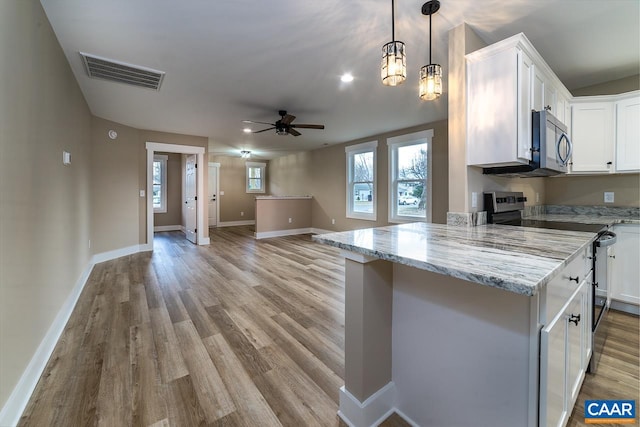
(505, 208)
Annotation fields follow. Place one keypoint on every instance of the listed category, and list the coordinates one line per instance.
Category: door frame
(153, 147)
(217, 189)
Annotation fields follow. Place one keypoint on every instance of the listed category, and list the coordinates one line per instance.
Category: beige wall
(322, 174)
(232, 181)
(44, 206)
(119, 172)
(274, 214)
(173, 216)
(589, 190)
(289, 175)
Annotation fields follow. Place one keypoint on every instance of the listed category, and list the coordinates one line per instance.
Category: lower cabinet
(564, 354)
(625, 279)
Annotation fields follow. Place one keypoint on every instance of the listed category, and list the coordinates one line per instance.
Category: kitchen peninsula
(451, 325)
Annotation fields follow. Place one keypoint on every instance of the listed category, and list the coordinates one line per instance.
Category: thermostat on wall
(66, 158)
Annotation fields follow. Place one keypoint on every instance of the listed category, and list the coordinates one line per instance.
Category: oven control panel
(504, 201)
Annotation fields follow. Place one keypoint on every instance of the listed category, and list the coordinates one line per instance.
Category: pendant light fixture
(394, 62)
(430, 75)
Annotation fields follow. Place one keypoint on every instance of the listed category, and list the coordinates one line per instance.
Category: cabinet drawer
(561, 287)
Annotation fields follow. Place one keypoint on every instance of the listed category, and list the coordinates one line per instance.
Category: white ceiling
(229, 60)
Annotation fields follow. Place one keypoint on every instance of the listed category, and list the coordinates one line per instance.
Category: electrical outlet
(142, 193)
(241, 213)
(537, 197)
(333, 221)
(290, 221)
(89, 243)
(474, 199)
(608, 196)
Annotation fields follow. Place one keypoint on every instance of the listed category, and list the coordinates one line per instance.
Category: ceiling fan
(284, 126)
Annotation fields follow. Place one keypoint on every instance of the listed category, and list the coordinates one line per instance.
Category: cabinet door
(628, 135)
(592, 137)
(538, 88)
(553, 408)
(625, 279)
(576, 317)
(550, 95)
(525, 72)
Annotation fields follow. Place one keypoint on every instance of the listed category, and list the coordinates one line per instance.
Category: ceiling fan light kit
(430, 75)
(393, 69)
(284, 126)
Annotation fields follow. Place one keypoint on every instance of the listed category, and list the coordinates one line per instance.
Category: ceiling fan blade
(294, 132)
(287, 119)
(308, 126)
(261, 123)
(263, 130)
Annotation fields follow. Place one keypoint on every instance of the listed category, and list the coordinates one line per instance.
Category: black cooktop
(557, 225)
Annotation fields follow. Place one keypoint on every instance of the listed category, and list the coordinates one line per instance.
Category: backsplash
(618, 211)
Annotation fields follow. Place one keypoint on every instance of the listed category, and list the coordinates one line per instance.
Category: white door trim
(152, 147)
(217, 166)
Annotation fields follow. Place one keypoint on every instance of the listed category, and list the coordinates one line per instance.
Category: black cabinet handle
(612, 256)
(574, 319)
(577, 279)
(609, 163)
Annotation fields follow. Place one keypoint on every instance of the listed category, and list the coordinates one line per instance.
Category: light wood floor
(240, 333)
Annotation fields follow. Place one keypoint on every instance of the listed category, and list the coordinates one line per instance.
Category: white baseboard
(17, 402)
(320, 231)
(235, 223)
(117, 253)
(373, 411)
(280, 233)
(167, 228)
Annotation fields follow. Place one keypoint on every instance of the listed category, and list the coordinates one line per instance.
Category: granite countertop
(517, 259)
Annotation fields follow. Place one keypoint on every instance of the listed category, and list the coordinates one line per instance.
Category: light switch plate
(474, 199)
(608, 196)
(66, 158)
(141, 193)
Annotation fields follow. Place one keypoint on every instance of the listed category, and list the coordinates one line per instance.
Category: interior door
(190, 198)
(213, 195)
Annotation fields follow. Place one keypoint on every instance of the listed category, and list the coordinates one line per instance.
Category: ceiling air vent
(107, 69)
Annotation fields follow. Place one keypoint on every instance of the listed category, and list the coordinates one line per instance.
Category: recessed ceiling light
(246, 130)
(346, 78)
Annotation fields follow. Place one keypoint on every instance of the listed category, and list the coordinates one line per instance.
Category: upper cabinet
(505, 82)
(628, 134)
(605, 134)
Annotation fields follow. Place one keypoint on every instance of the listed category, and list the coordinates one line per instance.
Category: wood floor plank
(253, 409)
(149, 394)
(170, 359)
(249, 357)
(183, 404)
(210, 390)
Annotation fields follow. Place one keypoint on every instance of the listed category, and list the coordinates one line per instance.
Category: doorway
(199, 198)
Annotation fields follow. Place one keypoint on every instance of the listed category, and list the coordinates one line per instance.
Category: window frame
(263, 176)
(394, 144)
(351, 151)
(163, 159)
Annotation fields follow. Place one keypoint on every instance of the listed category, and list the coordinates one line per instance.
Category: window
(410, 177)
(255, 177)
(361, 180)
(160, 183)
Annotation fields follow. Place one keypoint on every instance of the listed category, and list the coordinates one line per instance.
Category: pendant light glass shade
(393, 69)
(430, 75)
(430, 82)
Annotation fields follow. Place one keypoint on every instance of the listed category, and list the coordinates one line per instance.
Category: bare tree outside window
(411, 180)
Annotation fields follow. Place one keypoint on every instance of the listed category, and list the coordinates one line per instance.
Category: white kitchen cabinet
(625, 278)
(505, 82)
(592, 136)
(499, 107)
(628, 134)
(564, 353)
(605, 134)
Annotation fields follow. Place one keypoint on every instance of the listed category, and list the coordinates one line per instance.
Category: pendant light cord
(393, 22)
(430, 38)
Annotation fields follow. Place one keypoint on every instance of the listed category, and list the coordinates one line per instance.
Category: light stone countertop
(516, 259)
